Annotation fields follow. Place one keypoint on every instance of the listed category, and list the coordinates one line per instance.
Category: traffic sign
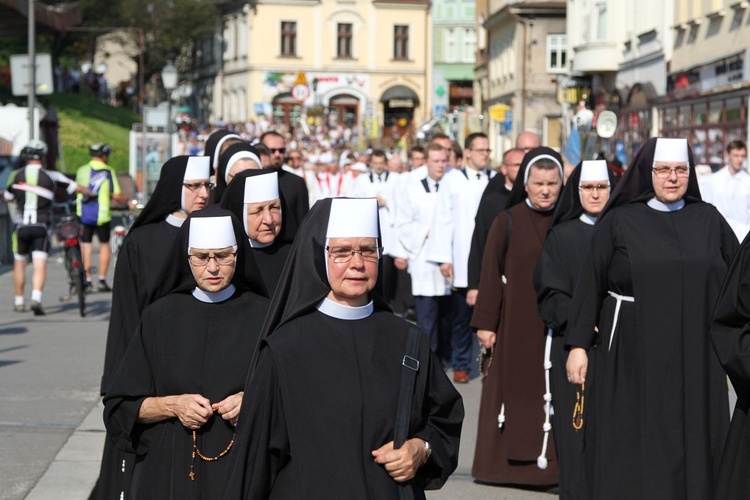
(301, 78)
(300, 92)
(19, 74)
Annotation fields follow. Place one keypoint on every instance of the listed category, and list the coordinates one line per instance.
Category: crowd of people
(257, 340)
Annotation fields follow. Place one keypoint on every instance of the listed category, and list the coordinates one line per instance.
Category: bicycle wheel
(115, 244)
(78, 276)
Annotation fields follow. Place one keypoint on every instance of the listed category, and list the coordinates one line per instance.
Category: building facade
(707, 88)
(454, 55)
(526, 49)
(619, 58)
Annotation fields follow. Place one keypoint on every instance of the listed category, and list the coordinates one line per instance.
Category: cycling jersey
(102, 181)
(32, 189)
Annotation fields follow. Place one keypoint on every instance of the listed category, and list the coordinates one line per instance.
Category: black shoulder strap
(425, 185)
(410, 367)
(506, 243)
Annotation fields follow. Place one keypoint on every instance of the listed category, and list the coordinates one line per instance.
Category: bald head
(527, 141)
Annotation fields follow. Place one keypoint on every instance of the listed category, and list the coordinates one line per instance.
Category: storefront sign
(707, 77)
(401, 103)
(280, 83)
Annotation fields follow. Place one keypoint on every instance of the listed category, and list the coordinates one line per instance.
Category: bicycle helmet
(99, 149)
(34, 150)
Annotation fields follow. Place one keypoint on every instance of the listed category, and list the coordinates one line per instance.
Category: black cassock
(494, 200)
(324, 396)
(138, 265)
(271, 261)
(729, 334)
(659, 412)
(184, 346)
(554, 280)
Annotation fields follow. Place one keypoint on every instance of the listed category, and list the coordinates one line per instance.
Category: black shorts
(102, 233)
(32, 240)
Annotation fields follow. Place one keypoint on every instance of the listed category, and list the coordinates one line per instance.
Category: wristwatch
(428, 449)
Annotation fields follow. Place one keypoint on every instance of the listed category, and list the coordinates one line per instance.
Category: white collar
(537, 209)
(258, 244)
(214, 297)
(587, 219)
(509, 187)
(665, 207)
(175, 221)
(341, 311)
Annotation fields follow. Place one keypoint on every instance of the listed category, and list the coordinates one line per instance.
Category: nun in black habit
(215, 144)
(319, 419)
(237, 158)
(659, 409)
(176, 396)
(183, 187)
(254, 198)
(729, 335)
(582, 200)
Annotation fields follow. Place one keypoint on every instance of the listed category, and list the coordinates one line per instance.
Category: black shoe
(102, 286)
(37, 308)
(88, 287)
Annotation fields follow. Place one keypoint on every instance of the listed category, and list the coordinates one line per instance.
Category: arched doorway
(286, 110)
(399, 103)
(344, 108)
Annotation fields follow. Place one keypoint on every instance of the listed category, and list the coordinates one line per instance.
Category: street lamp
(169, 80)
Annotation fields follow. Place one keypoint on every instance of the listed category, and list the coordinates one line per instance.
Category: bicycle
(67, 231)
(118, 236)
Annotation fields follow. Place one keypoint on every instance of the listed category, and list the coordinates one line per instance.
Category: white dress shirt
(453, 225)
(414, 216)
(730, 194)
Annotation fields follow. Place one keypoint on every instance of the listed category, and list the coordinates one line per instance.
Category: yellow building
(366, 62)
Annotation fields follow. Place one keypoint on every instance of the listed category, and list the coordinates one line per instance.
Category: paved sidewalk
(50, 369)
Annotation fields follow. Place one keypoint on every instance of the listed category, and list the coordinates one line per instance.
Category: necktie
(436, 187)
(479, 176)
(380, 179)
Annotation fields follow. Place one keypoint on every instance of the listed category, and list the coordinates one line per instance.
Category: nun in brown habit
(513, 442)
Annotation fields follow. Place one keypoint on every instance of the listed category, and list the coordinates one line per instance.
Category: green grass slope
(85, 121)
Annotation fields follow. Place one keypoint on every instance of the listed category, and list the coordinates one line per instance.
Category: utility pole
(31, 103)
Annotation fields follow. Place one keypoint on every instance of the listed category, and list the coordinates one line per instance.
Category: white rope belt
(620, 299)
(541, 461)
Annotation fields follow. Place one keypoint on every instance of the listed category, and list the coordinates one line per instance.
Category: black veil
(637, 183)
(221, 182)
(568, 205)
(518, 193)
(212, 145)
(177, 277)
(167, 195)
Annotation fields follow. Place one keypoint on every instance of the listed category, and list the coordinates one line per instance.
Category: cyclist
(31, 188)
(94, 211)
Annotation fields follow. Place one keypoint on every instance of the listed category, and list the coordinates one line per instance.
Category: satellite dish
(606, 124)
